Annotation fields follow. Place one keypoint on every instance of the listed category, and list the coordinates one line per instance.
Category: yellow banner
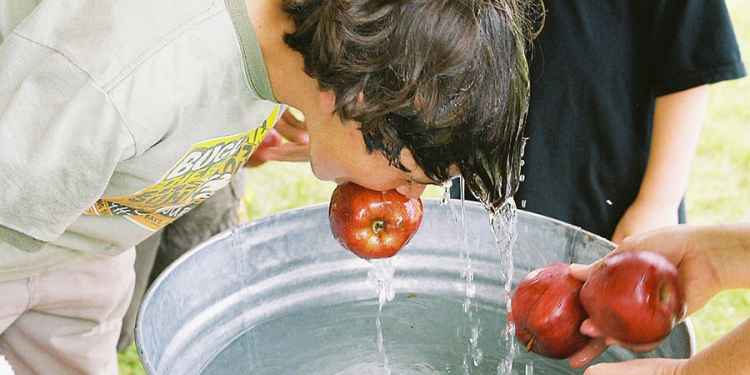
(202, 171)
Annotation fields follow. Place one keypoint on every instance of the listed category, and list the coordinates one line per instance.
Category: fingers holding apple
(589, 329)
(599, 344)
(631, 299)
(692, 250)
(634, 297)
(373, 224)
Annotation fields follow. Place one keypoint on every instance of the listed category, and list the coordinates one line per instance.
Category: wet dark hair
(447, 79)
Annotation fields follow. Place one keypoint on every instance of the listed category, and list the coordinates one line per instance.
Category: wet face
(339, 154)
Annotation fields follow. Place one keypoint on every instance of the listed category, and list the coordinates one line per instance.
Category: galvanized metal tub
(281, 296)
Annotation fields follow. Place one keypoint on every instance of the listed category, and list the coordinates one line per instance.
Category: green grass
(719, 190)
(130, 364)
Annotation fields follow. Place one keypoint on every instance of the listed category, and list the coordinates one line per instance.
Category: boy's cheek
(324, 168)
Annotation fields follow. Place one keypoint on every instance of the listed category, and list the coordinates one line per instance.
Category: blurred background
(719, 190)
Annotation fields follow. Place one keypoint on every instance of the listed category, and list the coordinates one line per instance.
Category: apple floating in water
(547, 312)
(634, 297)
(373, 224)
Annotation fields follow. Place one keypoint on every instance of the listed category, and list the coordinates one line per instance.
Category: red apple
(272, 139)
(634, 297)
(547, 312)
(373, 224)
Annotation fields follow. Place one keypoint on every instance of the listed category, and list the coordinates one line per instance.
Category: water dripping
(381, 346)
(503, 224)
(381, 276)
(470, 330)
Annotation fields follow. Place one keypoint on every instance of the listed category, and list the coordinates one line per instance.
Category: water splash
(470, 306)
(471, 329)
(529, 370)
(503, 223)
(381, 346)
(381, 277)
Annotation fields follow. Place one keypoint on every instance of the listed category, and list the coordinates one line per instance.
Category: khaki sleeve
(12, 12)
(60, 140)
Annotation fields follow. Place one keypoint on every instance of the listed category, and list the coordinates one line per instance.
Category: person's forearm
(727, 248)
(729, 355)
(678, 120)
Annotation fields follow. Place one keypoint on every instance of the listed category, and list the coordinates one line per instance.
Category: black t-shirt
(596, 70)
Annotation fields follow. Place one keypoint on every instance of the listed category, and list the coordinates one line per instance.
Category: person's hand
(650, 366)
(297, 147)
(642, 217)
(687, 247)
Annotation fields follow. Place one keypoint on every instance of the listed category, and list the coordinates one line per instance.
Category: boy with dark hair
(116, 118)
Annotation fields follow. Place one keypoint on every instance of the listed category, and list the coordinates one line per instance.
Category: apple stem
(530, 344)
(378, 226)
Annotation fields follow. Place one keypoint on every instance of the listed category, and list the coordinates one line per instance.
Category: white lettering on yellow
(186, 165)
(200, 159)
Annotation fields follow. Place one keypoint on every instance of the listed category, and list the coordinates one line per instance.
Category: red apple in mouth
(634, 297)
(547, 312)
(373, 224)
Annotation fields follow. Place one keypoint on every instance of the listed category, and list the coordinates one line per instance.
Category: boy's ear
(327, 101)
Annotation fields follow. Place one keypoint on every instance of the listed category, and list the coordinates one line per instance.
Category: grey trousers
(218, 213)
(66, 321)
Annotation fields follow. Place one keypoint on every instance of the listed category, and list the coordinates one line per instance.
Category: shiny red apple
(373, 224)
(259, 156)
(634, 297)
(547, 312)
